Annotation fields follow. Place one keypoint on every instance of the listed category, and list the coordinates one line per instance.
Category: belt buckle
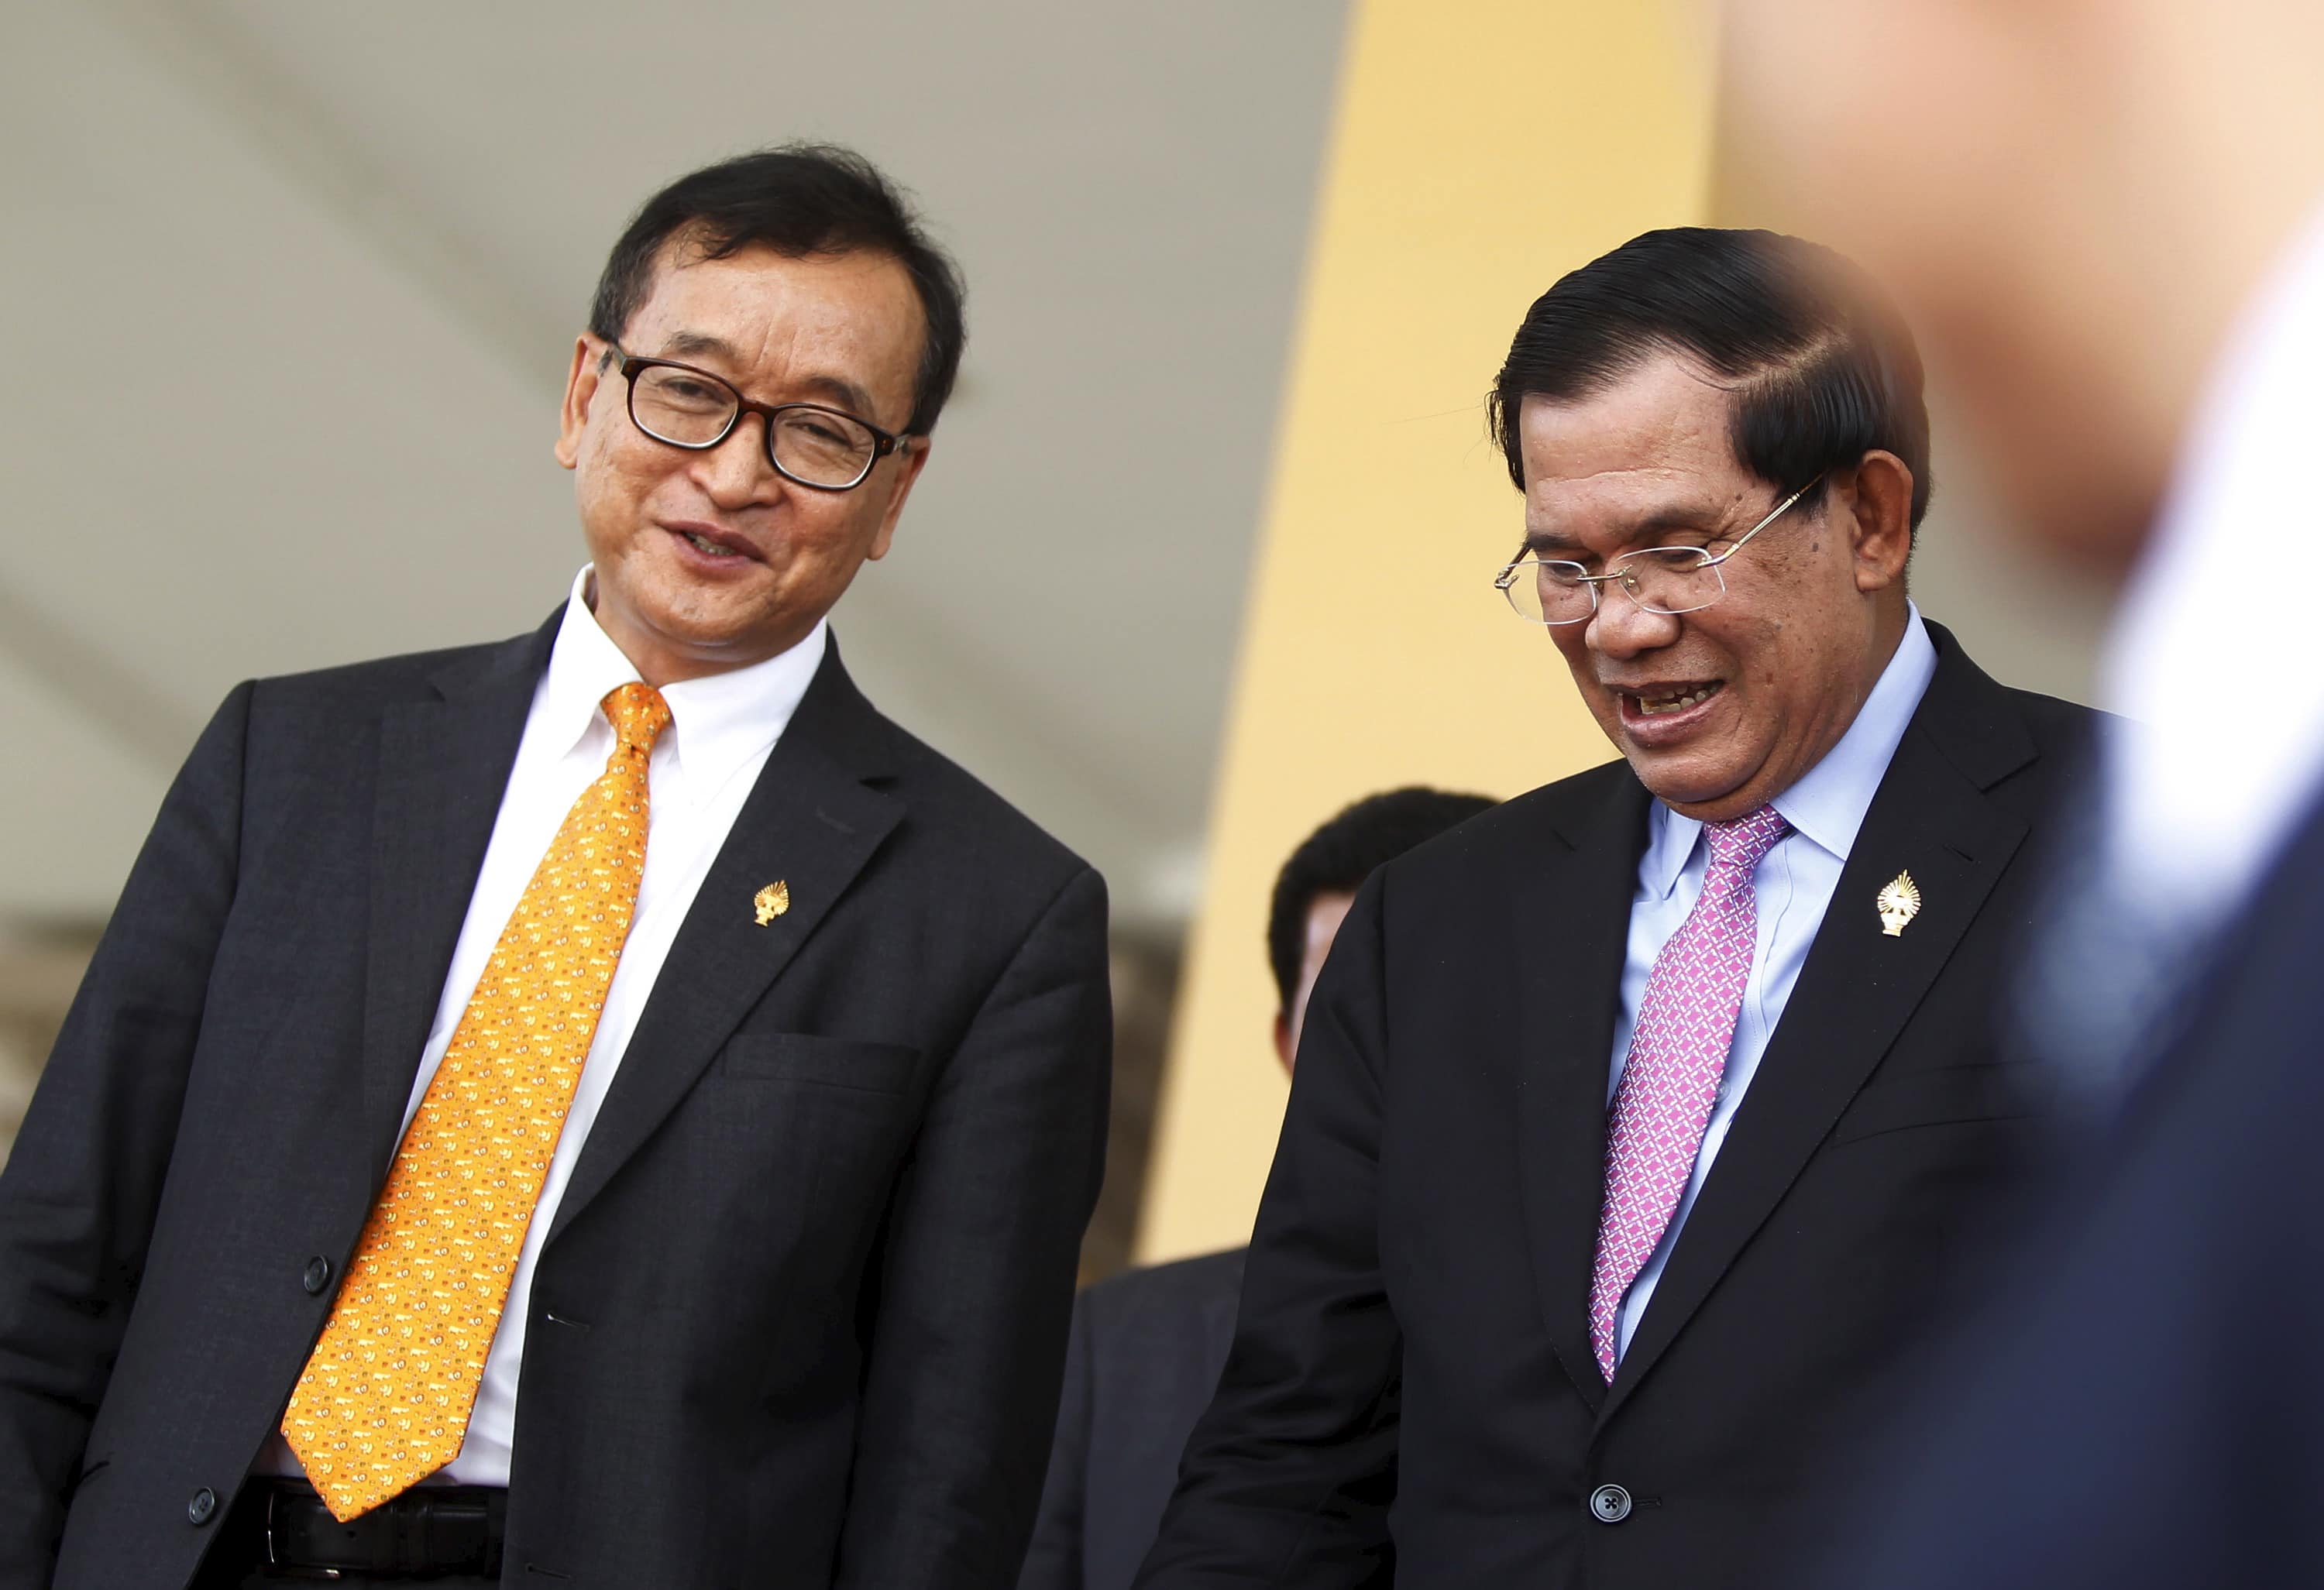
(276, 1569)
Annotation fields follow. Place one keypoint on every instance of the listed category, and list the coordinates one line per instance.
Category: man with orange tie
(606, 1109)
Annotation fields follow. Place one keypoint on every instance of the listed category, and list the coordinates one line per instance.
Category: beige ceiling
(290, 289)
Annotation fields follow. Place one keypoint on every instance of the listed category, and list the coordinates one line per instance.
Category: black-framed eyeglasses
(1667, 580)
(819, 446)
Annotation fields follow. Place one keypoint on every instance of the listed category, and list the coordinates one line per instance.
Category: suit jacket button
(318, 1276)
(1610, 1504)
(204, 1505)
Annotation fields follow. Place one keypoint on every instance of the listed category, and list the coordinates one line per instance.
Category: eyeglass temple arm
(1780, 510)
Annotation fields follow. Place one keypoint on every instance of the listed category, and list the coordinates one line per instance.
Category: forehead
(853, 315)
(1654, 439)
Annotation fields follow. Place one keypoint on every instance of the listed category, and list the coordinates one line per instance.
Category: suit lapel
(1571, 927)
(443, 766)
(1859, 986)
(810, 822)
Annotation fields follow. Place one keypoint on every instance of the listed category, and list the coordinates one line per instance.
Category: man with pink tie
(1647, 1128)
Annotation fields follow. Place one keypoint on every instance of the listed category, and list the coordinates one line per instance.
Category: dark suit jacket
(1433, 1210)
(1140, 1367)
(2151, 1411)
(801, 1317)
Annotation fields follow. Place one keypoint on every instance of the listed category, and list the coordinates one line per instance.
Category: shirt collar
(1828, 804)
(718, 722)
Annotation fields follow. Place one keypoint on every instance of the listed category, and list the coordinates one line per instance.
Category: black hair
(800, 200)
(1338, 856)
(1823, 369)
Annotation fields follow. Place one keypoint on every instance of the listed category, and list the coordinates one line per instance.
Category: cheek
(615, 483)
(838, 532)
(1747, 647)
(1570, 646)
(1796, 661)
(606, 452)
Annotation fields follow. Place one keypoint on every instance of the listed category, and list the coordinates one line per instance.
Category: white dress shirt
(2211, 659)
(722, 730)
(1792, 888)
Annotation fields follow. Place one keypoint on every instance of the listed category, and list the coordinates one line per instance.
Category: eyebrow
(841, 392)
(1661, 521)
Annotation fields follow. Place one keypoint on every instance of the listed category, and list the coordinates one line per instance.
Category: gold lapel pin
(1899, 903)
(772, 900)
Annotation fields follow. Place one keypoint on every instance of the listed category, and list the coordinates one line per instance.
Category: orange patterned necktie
(384, 1400)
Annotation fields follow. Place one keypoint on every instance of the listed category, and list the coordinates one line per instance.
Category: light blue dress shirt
(1792, 888)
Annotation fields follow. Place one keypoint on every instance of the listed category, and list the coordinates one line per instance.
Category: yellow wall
(1481, 149)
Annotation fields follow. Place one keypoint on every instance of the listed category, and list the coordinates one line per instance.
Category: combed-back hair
(1338, 856)
(1823, 367)
(799, 199)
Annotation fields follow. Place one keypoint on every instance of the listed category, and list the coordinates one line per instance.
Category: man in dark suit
(1644, 1125)
(2149, 1409)
(615, 1071)
(1147, 1348)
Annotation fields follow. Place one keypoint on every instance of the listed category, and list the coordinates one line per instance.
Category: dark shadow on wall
(1145, 967)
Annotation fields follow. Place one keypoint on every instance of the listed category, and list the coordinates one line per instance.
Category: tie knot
(1743, 844)
(638, 714)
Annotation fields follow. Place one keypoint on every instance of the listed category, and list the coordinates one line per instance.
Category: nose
(737, 471)
(1620, 629)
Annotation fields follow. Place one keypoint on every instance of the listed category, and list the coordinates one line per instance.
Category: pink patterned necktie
(1678, 1052)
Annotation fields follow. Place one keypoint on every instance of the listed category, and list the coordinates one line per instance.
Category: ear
(1283, 1049)
(912, 458)
(580, 391)
(1880, 499)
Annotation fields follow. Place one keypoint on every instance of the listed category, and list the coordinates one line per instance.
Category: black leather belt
(428, 1530)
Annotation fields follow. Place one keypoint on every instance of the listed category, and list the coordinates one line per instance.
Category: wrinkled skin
(1814, 605)
(844, 330)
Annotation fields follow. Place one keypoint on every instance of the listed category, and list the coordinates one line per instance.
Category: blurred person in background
(2110, 221)
(606, 1109)
(1146, 1349)
(1646, 1125)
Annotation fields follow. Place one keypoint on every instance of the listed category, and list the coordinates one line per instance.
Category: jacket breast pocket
(1947, 1095)
(833, 1062)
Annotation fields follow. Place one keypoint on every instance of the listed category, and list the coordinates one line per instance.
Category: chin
(1684, 787)
(684, 606)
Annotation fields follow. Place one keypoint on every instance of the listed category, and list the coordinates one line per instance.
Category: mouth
(712, 543)
(1660, 714)
(1670, 698)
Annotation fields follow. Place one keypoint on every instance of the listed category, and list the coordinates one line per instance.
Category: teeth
(1649, 705)
(712, 547)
